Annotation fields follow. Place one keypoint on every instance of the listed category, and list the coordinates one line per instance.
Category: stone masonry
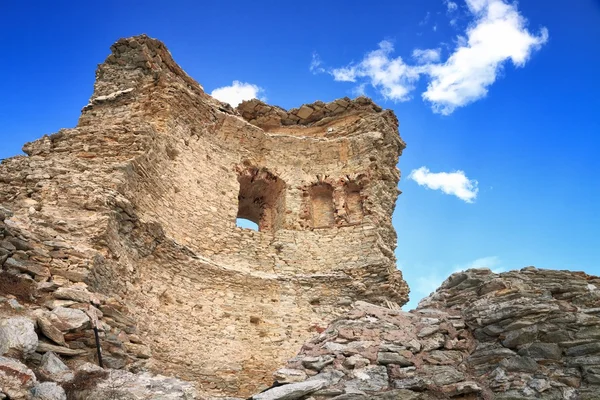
(133, 213)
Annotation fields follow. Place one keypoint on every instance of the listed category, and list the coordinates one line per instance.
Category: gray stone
(583, 350)
(52, 368)
(127, 385)
(373, 378)
(291, 391)
(519, 364)
(444, 375)
(542, 351)
(48, 391)
(288, 375)
(416, 383)
(17, 337)
(317, 363)
(520, 337)
(386, 358)
(331, 377)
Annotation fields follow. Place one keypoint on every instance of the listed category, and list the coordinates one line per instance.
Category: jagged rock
(289, 375)
(77, 295)
(49, 330)
(368, 379)
(44, 347)
(125, 385)
(291, 391)
(507, 343)
(69, 319)
(52, 368)
(48, 391)
(15, 378)
(17, 337)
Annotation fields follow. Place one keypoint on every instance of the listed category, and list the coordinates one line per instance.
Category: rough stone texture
(17, 337)
(131, 216)
(15, 378)
(529, 334)
(52, 368)
(125, 385)
(48, 391)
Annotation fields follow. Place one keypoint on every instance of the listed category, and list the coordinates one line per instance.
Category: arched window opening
(321, 205)
(246, 224)
(353, 203)
(261, 199)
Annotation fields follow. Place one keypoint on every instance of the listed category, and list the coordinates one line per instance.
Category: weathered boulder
(48, 391)
(17, 337)
(69, 319)
(15, 378)
(291, 391)
(142, 386)
(52, 368)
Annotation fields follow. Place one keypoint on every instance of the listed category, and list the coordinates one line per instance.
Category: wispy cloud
(315, 64)
(497, 35)
(451, 6)
(238, 92)
(425, 19)
(491, 262)
(391, 76)
(426, 56)
(454, 183)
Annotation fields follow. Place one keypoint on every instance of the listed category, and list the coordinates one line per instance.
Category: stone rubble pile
(46, 323)
(266, 116)
(529, 334)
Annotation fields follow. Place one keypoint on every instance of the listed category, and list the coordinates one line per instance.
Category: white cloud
(454, 183)
(315, 64)
(391, 76)
(452, 6)
(426, 56)
(237, 92)
(497, 34)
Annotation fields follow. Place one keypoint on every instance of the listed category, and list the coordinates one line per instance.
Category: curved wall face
(153, 179)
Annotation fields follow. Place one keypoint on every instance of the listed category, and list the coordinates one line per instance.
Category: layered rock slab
(528, 334)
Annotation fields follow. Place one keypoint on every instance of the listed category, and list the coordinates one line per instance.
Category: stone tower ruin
(139, 202)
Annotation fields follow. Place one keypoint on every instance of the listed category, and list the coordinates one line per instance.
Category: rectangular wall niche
(262, 199)
(321, 205)
(353, 203)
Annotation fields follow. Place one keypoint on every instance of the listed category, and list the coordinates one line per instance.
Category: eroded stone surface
(529, 334)
(131, 216)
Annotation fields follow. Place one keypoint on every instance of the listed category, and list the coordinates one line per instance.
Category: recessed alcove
(353, 202)
(322, 210)
(261, 199)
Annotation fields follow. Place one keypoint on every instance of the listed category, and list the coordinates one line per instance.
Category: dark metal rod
(98, 349)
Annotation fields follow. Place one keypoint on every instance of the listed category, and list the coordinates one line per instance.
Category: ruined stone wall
(146, 190)
(528, 334)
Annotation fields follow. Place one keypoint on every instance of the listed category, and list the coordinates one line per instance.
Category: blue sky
(500, 97)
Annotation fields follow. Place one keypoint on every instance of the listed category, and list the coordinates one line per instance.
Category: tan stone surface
(140, 200)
